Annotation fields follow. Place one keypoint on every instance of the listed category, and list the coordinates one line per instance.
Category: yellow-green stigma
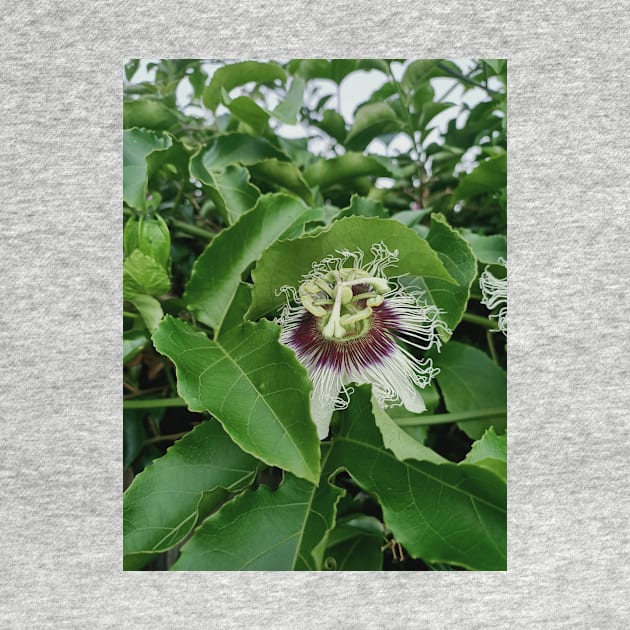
(330, 298)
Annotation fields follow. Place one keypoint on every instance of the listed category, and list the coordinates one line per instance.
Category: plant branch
(412, 135)
(447, 418)
(480, 321)
(465, 79)
(192, 229)
(154, 403)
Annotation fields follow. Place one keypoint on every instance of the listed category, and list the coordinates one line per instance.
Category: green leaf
(150, 309)
(273, 271)
(284, 175)
(148, 113)
(167, 499)
(439, 512)
(430, 111)
(138, 144)
(130, 68)
(411, 217)
(364, 207)
(265, 530)
(229, 189)
(219, 270)
(355, 544)
(400, 443)
(235, 148)
(236, 74)
(371, 120)
(333, 124)
(459, 261)
(143, 275)
(488, 176)
(341, 68)
(133, 342)
(311, 220)
(263, 159)
(416, 71)
(252, 384)
(470, 380)
(247, 110)
(326, 173)
(490, 452)
(235, 315)
(334, 69)
(487, 249)
(288, 109)
(134, 435)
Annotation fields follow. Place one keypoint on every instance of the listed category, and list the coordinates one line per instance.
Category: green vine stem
(446, 418)
(154, 403)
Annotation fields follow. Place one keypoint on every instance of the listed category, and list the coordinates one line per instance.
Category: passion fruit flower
(346, 322)
(494, 295)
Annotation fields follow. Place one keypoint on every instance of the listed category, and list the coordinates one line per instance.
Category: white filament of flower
(346, 321)
(494, 292)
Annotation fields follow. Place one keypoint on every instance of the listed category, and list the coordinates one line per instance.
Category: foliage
(237, 177)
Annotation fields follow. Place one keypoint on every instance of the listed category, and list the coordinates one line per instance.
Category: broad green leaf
(459, 261)
(374, 64)
(310, 68)
(168, 498)
(311, 220)
(333, 124)
(252, 384)
(487, 249)
(417, 71)
(235, 148)
(326, 173)
(247, 110)
(288, 109)
(131, 67)
(488, 176)
(411, 217)
(400, 443)
(150, 309)
(285, 262)
(143, 275)
(470, 380)
(490, 452)
(439, 512)
(264, 161)
(236, 74)
(138, 144)
(497, 65)
(148, 113)
(334, 69)
(341, 68)
(265, 530)
(371, 121)
(235, 315)
(133, 342)
(284, 175)
(230, 189)
(134, 435)
(219, 270)
(430, 111)
(364, 207)
(355, 544)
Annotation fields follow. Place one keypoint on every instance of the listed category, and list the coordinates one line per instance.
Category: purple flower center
(372, 343)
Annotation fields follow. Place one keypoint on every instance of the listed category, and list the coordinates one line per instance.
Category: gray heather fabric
(60, 173)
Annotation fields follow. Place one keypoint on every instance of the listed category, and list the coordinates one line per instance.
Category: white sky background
(354, 90)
